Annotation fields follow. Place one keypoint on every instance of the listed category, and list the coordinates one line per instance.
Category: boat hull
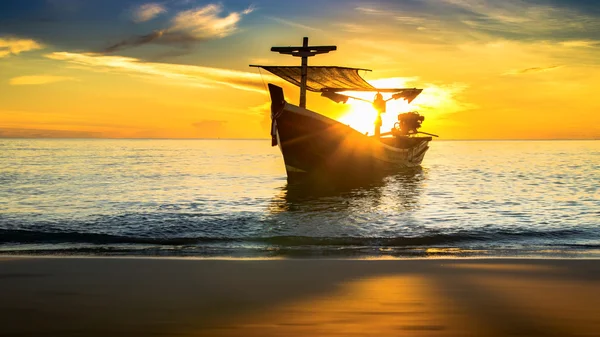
(313, 144)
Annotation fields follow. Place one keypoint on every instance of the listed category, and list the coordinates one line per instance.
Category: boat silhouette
(314, 145)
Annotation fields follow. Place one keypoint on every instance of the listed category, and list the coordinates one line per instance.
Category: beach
(95, 296)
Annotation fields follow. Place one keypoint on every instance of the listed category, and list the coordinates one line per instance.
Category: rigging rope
(263, 81)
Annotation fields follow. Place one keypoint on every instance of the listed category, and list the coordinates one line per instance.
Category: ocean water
(231, 198)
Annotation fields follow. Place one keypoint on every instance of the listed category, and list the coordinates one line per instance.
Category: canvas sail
(330, 80)
(323, 78)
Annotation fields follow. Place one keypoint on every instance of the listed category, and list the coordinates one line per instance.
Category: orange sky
(510, 70)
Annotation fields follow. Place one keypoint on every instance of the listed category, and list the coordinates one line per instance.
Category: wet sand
(179, 297)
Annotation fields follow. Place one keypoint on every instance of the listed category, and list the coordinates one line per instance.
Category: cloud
(456, 21)
(353, 28)
(38, 79)
(401, 16)
(135, 41)
(371, 11)
(532, 70)
(177, 73)
(147, 12)
(293, 24)
(580, 43)
(14, 46)
(522, 18)
(205, 22)
(249, 10)
(189, 26)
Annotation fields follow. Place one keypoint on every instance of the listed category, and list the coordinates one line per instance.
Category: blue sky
(92, 26)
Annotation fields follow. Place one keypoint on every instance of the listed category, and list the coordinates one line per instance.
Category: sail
(408, 94)
(323, 78)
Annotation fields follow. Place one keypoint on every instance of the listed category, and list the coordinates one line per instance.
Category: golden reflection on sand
(455, 299)
(380, 306)
(143, 297)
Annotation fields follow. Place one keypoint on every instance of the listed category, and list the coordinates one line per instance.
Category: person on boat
(379, 103)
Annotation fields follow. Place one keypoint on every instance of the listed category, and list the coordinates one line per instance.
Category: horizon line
(161, 138)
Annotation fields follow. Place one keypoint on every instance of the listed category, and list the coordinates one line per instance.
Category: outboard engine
(408, 124)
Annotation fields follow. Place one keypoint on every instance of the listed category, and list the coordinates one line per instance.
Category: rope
(263, 80)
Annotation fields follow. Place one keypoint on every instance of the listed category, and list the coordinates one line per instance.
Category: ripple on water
(148, 194)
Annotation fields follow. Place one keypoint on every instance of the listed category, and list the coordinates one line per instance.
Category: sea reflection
(342, 218)
(399, 191)
(379, 206)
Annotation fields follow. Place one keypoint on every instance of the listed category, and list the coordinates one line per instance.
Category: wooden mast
(305, 51)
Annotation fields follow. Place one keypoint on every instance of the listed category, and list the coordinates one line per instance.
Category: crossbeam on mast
(304, 52)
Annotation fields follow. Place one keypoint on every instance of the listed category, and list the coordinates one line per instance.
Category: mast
(305, 51)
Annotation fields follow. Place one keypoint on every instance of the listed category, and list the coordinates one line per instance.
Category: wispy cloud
(580, 43)
(206, 22)
(137, 41)
(353, 28)
(14, 46)
(532, 70)
(147, 12)
(401, 16)
(189, 26)
(293, 24)
(410, 20)
(456, 21)
(249, 10)
(177, 73)
(38, 79)
(521, 17)
(371, 11)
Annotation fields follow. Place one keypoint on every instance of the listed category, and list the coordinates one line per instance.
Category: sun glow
(361, 115)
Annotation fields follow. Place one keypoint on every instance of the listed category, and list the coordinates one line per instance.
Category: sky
(511, 69)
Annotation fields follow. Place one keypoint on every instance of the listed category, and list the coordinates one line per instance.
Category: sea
(232, 199)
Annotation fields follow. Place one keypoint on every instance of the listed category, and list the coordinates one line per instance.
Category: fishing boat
(313, 144)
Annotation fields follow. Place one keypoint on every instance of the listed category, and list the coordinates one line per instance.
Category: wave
(434, 239)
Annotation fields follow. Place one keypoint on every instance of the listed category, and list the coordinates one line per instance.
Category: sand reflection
(143, 297)
(374, 306)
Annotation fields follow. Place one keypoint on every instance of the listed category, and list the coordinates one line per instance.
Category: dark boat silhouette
(315, 145)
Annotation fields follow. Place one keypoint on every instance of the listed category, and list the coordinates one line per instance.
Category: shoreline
(107, 296)
(294, 258)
